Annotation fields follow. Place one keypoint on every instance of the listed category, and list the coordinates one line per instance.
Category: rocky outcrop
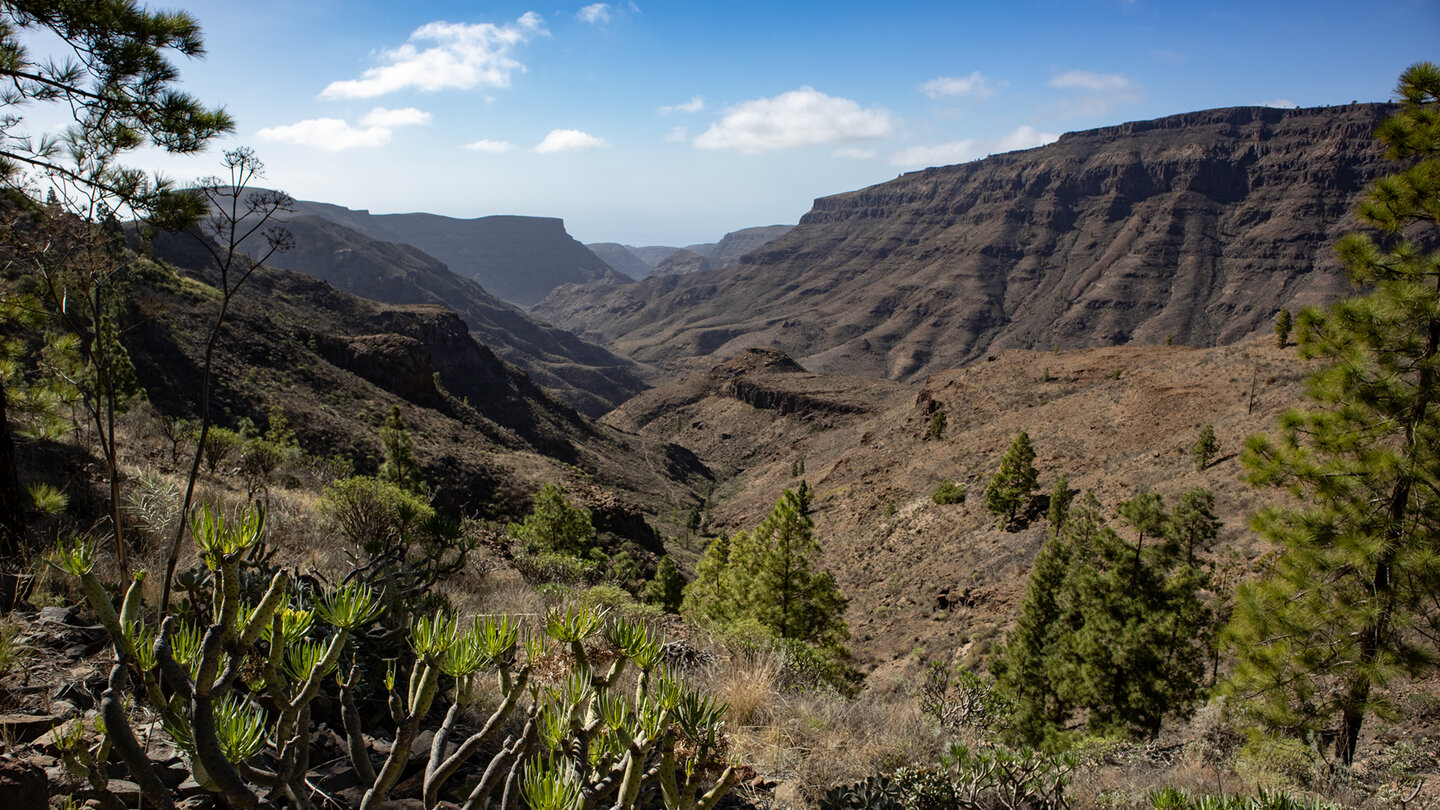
(681, 261)
(1196, 227)
(585, 376)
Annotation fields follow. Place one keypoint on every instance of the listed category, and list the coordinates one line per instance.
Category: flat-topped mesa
(516, 258)
(1196, 228)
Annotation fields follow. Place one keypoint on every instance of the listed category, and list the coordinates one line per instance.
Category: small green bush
(220, 443)
(948, 493)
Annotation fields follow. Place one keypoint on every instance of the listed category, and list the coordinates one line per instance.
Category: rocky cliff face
(584, 375)
(1197, 227)
(519, 259)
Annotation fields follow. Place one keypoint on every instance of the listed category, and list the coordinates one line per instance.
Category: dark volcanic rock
(1197, 227)
(23, 786)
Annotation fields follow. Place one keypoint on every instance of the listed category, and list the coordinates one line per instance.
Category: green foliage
(624, 570)
(1059, 510)
(1009, 492)
(556, 526)
(259, 459)
(960, 699)
(667, 588)
(372, 514)
(987, 776)
(936, 431)
(1170, 797)
(768, 575)
(562, 569)
(596, 739)
(1114, 628)
(218, 445)
(948, 493)
(1349, 604)
(118, 84)
(872, 793)
(47, 499)
(1205, 448)
(277, 428)
(1283, 324)
(399, 467)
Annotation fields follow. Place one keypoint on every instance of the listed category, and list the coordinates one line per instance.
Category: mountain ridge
(515, 258)
(584, 375)
(1195, 228)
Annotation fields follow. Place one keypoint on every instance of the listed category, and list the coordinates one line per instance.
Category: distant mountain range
(1195, 228)
(639, 262)
(517, 259)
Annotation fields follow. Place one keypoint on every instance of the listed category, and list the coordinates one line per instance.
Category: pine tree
(710, 595)
(1025, 665)
(1114, 628)
(399, 467)
(667, 588)
(1205, 448)
(556, 526)
(1012, 487)
(1283, 324)
(1349, 604)
(768, 575)
(1059, 511)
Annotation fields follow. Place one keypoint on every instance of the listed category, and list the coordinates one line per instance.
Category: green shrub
(219, 444)
(555, 525)
(559, 569)
(371, 513)
(948, 493)
(1271, 762)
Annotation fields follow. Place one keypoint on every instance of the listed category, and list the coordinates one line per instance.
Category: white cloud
(335, 135)
(1282, 103)
(569, 140)
(1086, 80)
(803, 117)
(969, 149)
(330, 134)
(855, 153)
(676, 135)
(461, 56)
(381, 117)
(595, 13)
(973, 85)
(1100, 92)
(491, 147)
(694, 105)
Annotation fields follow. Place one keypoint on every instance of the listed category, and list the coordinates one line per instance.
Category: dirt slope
(942, 580)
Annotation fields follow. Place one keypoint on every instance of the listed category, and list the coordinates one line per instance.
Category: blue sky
(674, 122)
